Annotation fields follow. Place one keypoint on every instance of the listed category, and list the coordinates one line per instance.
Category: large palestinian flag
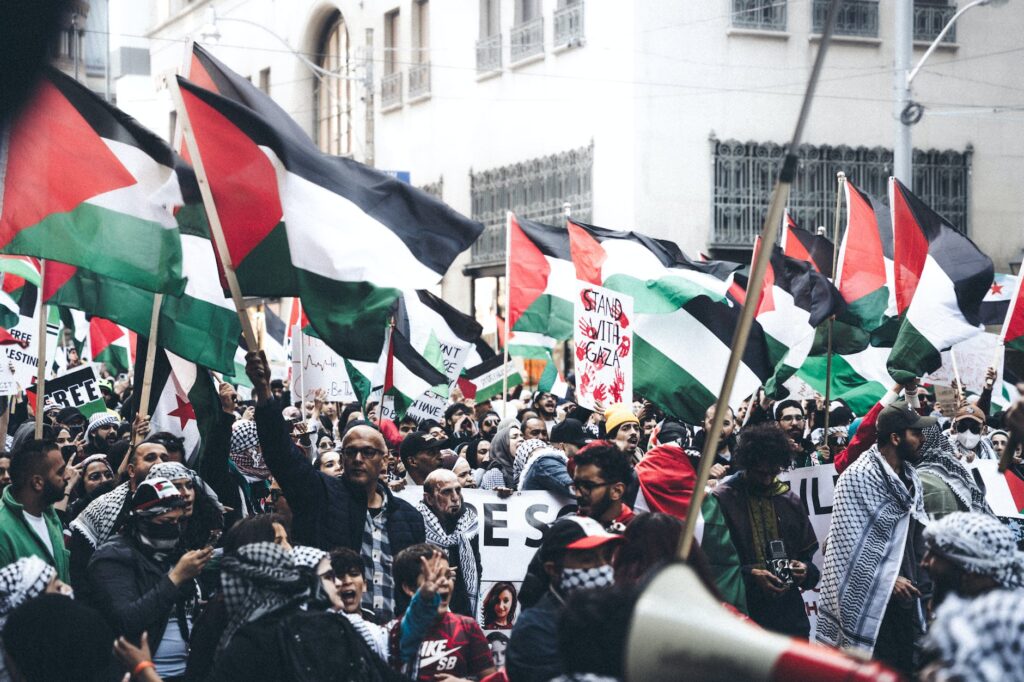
(683, 323)
(941, 279)
(345, 238)
(864, 274)
(109, 343)
(84, 183)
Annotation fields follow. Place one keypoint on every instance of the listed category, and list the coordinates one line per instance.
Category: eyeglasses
(968, 425)
(490, 422)
(587, 487)
(366, 453)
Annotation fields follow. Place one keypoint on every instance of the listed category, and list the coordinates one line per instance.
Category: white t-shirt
(38, 524)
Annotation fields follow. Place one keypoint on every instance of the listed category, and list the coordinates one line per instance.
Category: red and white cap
(575, 533)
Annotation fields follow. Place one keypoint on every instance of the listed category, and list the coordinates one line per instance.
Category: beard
(906, 452)
(52, 493)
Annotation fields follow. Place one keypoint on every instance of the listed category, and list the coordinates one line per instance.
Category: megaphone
(680, 632)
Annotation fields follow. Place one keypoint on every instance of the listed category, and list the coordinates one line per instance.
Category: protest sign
(510, 534)
(315, 366)
(78, 388)
(23, 362)
(604, 338)
(431, 405)
(973, 358)
(1003, 492)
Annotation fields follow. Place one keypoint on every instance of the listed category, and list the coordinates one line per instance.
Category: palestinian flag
(485, 381)
(84, 183)
(551, 380)
(865, 269)
(109, 344)
(683, 324)
(996, 303)
(800, 244)
(200, 325)
(859, 376)
(345, 238)
(941, 279)
(795, 299)
(275, 340)
(183, 400)
(17, 271)
(542, 288)
(439, 333)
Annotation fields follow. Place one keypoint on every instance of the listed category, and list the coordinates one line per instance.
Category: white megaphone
(680, 632)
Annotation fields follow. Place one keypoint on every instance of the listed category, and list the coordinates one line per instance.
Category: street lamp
(907, 111)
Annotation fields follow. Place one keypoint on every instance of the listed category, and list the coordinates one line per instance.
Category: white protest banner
(315, 366)
(23, 362)
(604, 338)
(431, 405)
(510, 534)
(973, 358)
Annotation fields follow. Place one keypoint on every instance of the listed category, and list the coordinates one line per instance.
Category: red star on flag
(183, 412)
(996, 289)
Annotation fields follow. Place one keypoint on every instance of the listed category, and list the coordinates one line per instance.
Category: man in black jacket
(355, 511)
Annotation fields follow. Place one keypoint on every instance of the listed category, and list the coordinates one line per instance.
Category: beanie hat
(618, 414)
(100, 419)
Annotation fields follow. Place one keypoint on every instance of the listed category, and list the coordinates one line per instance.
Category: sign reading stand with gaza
(604, 346)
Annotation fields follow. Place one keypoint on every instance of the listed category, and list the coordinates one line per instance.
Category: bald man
(355, 511)
(454, 528)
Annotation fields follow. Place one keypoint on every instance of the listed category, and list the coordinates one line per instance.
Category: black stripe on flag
(819, 248)
(721, 320)
(810, 289)
(550, 240)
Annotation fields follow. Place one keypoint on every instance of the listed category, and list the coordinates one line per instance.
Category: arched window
(334, 95)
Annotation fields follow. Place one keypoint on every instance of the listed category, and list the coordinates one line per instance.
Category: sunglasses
(965, 425)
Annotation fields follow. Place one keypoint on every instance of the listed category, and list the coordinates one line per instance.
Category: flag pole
(769, 233)
(959, 392)
(840, 181)
(147, 370)
(41, 354)
(505, 322)
(216, 230)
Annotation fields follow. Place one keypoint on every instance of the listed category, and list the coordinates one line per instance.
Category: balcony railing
(488, 54)
(527, 39)
(854, 18)
(419, 80)
(391, 90)
(766, 15)
(569, 25)
(929, 21)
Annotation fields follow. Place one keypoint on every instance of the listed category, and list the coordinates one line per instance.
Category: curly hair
(606, 456)
(763, 444)
(490, 621)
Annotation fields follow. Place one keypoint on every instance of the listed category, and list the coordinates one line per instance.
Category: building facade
(666, 118)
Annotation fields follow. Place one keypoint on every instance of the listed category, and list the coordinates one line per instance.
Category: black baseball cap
(900, 416)
(570, 431)
(574, 533)
(418, 441)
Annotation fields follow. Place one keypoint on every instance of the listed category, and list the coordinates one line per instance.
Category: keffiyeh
(99, 420)
(941, 459)
(175, 471)
(978, 640)
(307, 557)
(99, 520)
(245, 450)
(465, 530)
(870, 521)
(523, 452)
(979, 544)
(25, 579)
(260, 580)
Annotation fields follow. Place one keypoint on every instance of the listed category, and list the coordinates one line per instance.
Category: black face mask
(101, 489)
(161, 537)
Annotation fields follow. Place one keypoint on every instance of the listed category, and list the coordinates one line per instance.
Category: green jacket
(17, 539)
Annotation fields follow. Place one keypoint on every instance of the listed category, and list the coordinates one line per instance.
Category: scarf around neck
(99, 520)
(466, 529)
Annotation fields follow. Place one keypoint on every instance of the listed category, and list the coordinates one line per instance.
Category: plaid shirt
(379, 596)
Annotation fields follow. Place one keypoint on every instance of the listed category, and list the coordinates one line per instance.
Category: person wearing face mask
(142, 582)
(966, 431)
(575, 554)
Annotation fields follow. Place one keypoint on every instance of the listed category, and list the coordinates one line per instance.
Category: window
(527, 35)
(930, 16)
(854, 17)
(568, 20)
(536, 189)
(768, 15)
(265, 80)
(419, 71)
(391, 82)
(333, 96)
(488, 47)
(745, 173)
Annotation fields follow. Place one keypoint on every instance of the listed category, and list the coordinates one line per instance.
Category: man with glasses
(790, 416)
(967, 430)
(355, 511)
(599, 483)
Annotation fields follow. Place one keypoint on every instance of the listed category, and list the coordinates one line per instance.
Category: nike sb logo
(434, 651)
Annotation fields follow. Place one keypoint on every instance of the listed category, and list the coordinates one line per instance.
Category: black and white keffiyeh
(175, 471)
(25, 579)
(465, 530)
(977, 640)
(940, 458)
(523, 452)
(870, 521)
(261, 579)
(307, 557)
(535, 456)
(980, 544)
(99, 520)
(245, 450)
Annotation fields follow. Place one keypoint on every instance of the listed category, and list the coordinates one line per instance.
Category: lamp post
(906, 110)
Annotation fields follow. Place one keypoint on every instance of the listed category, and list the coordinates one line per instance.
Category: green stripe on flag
(659, 379)
(912, 355)
(663, 295)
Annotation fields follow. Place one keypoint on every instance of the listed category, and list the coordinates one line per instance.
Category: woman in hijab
(25, 579)
(500, 470)
(203, 518)
(142, 581)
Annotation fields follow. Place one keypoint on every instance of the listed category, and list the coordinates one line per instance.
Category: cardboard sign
(973, 358)
(78, 388)
(315, 366)
(603, 335)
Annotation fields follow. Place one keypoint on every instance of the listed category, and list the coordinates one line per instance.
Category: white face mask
(968, 440)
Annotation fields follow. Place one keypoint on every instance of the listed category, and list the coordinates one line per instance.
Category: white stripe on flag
(935, 313)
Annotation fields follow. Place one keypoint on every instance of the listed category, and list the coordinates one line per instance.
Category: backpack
(319, 646)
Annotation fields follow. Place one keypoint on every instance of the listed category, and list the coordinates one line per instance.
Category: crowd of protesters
(282, 552)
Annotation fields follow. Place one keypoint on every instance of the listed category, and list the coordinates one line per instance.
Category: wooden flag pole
(41, 369)
(769, 233)
(147, 370)
(956, 375)
(216, 230)
(508, 302)
(840, 182)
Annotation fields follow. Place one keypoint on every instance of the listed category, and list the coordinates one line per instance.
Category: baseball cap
(574, 533)
(970, 411)
(898, 417)
(418, 442)
(570, 431)
(156, 496)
